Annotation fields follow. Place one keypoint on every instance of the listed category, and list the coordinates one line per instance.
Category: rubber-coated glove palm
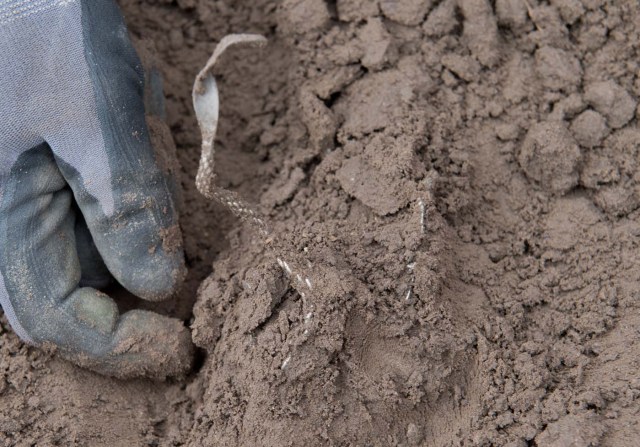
(73, 131)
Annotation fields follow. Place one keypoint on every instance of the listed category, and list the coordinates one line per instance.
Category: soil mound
(453, 192)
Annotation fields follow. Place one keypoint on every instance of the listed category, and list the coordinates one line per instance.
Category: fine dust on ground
(456, 185)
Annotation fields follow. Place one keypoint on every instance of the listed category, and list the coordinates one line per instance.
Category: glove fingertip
(156, 278)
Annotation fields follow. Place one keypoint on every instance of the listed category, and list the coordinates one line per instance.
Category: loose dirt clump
(453, 194)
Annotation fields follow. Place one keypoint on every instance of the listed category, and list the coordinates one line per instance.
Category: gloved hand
(75, 148)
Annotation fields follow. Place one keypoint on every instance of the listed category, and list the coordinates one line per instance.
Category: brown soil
(456, 180)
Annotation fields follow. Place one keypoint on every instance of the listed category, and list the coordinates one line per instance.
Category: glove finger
(154, 104)
(93, 271)
(39, 277)
(106, 156)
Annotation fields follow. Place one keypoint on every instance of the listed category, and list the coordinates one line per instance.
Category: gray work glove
(74, 148)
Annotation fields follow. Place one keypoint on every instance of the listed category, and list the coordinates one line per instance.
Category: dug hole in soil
(454, 188)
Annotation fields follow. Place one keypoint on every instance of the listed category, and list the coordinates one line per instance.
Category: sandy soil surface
(454, 194)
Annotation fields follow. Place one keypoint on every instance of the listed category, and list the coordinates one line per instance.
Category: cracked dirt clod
(376, 44)
(613, 101)
(359, 180)
(305, 15)
(557, 69)
(480, 31)
(589, 128)
(549, 155)
(353, 10)
(407, 12)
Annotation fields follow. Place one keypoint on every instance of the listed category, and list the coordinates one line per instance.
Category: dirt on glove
(454, 195)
